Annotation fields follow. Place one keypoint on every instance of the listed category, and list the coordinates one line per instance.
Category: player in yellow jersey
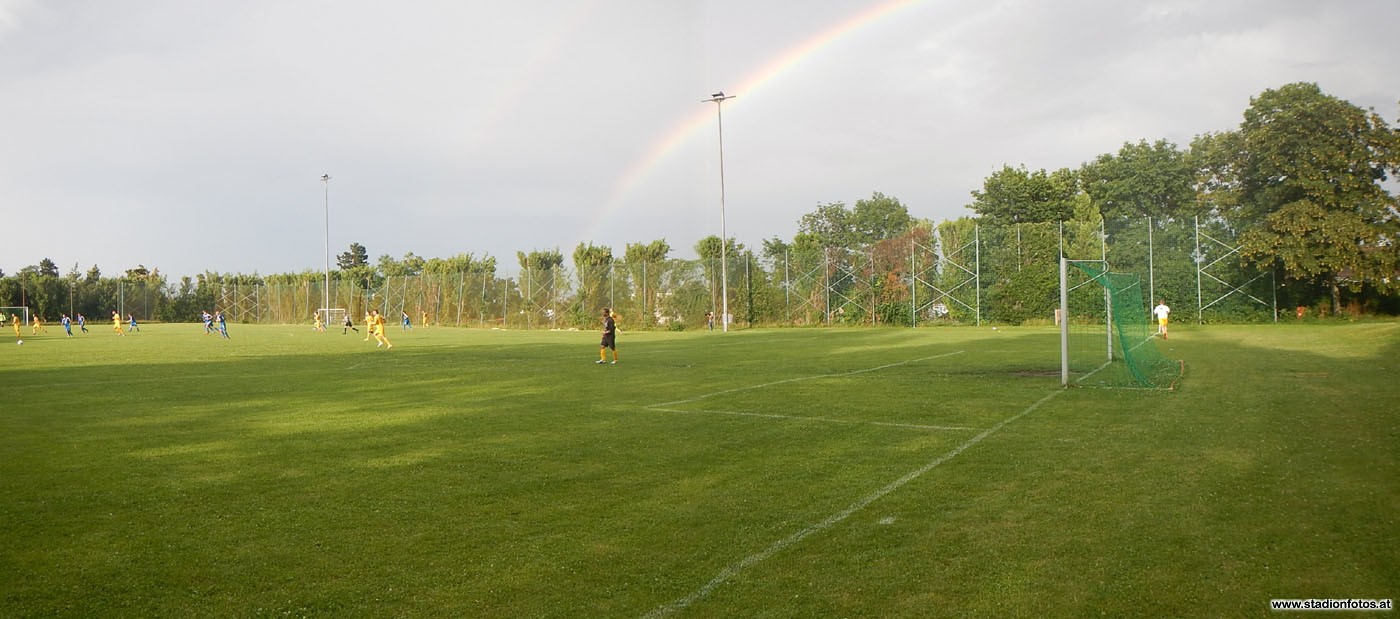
(369, 324)
(14, 322)
(37, 326)
(117, 323)
(378, 329)
(319, 328)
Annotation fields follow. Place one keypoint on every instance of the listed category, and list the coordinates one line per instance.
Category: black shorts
(609, 341)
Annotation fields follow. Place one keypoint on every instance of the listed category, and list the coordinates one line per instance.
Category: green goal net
(1106, 337)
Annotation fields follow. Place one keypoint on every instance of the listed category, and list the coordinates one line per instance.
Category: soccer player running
(67, 325)
(223, 326)
(37, 326)
(117, 323)
(82, 323)
(1161, 312)
(131, 320)
(348, 325)
(407, 326)
(376, 326)
(14, 322)
(208, 321)
(369, 324)
(609, 338)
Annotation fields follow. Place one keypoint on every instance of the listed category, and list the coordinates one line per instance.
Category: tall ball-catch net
(1107, 339)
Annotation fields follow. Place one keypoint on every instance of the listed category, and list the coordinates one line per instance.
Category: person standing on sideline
(377, 328)
(1161, 312)
(223, 326)
(82, 323)
(117, 323)
(67, 325)
(131, 320)
(609, 338)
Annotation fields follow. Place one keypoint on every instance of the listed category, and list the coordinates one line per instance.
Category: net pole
(1107, 295)
(977, 260)
(1064, 323)
(1198, 259)
(1273, 289)
(913, 288)
(1151, 268)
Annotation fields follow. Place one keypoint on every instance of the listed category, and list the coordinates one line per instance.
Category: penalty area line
(734, 569)
(891, 424)
(802, 378)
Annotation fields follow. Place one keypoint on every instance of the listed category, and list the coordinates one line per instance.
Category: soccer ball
(20, 342)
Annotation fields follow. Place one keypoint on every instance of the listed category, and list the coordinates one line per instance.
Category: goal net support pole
(1064, 322)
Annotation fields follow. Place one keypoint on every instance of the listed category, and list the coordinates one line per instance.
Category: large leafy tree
(1017, 195)
(828, 226)
(1302, 179)
(357, 256)
(646, 265)
(593, 265)
(879, 218)
(540, 259)
(1142, 180)
(412, 264)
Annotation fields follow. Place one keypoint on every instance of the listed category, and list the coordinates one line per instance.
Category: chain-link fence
(959, 272)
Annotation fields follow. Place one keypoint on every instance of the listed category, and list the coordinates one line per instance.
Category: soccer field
(767, 473)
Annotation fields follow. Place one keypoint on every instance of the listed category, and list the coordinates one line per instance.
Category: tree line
(1300, 191)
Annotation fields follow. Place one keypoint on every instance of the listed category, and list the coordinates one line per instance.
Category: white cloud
(169, 134)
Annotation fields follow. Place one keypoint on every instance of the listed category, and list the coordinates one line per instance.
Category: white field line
(1139, 344)
(801, 418)
(1093, 372)
(778, 546)
(801, 378)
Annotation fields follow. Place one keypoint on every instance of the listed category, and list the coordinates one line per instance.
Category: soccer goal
(17, 311)
(332, 316)
(1105, 335)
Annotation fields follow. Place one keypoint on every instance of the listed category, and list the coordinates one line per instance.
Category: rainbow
(704, 116)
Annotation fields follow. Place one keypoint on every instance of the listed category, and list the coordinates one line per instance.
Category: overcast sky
(191, 135)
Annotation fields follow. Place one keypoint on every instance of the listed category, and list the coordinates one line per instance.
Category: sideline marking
(801, 378)
(778, 546)
(801, 418)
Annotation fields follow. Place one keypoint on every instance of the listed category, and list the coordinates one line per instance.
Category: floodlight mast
(718, 99)
(326, 304)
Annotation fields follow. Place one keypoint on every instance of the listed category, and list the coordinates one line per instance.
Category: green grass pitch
(767, 473)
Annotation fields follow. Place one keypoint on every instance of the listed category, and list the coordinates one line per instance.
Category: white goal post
(332, 316)
(19, 311)
(1064, 317)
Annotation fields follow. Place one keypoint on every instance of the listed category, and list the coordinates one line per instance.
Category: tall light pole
(718, 99)
(326, 179)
